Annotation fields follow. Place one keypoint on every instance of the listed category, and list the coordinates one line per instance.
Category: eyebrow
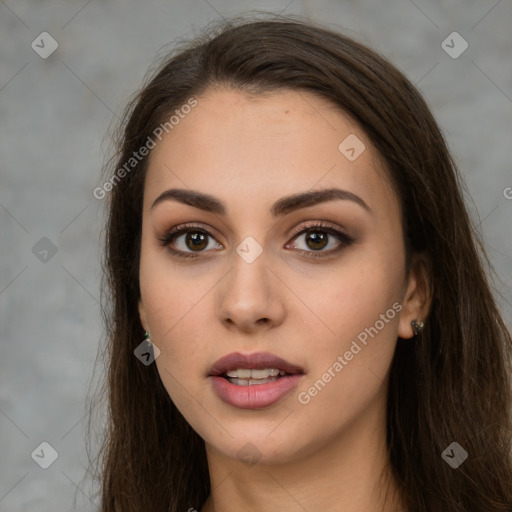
(281, 207)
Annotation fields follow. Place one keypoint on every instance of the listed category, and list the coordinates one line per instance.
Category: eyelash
(173, 233)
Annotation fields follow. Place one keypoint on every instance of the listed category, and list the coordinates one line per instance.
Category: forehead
(257, 148)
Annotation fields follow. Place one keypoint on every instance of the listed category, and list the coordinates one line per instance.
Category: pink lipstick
(253, 381)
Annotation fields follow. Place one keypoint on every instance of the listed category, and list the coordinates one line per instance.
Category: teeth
(243, 373)
(251, 382)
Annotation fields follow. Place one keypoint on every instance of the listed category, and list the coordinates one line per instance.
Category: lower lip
(255, 396)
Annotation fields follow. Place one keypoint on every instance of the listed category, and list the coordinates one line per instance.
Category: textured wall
(55, 113)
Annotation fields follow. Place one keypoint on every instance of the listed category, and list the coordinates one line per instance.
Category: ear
(142, 315)
(418, 295)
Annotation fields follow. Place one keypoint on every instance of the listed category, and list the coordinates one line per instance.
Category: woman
(287, 231)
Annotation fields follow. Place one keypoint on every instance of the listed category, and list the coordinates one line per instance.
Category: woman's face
(257, 281)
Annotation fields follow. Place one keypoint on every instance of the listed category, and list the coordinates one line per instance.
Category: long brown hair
(452, 384)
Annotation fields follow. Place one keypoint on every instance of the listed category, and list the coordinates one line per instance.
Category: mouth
(253, 369)
(254, 381)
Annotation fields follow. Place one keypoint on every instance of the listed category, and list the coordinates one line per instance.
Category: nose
(250, 298)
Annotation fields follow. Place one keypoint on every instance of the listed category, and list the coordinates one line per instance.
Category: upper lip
(257, 360)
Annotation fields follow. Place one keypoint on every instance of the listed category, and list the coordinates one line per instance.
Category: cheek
(357, 317)
(356, 296)
(175, 314)
(175, 305)
(348, 369)
(170, 293)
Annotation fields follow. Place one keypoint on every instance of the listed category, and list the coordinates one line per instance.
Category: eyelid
(316, 224)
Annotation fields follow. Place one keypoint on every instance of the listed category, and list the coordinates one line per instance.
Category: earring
(417, 327)
(147, 338)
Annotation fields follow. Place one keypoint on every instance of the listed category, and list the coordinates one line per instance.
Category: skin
(249, 151)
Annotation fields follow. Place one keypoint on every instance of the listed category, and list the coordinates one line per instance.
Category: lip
(257, 360)
(258, 395)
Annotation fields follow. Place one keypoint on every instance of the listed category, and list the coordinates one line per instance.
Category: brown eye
(194, 240)
(318, 237)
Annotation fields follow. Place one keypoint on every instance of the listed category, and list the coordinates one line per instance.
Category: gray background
(55, 114)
